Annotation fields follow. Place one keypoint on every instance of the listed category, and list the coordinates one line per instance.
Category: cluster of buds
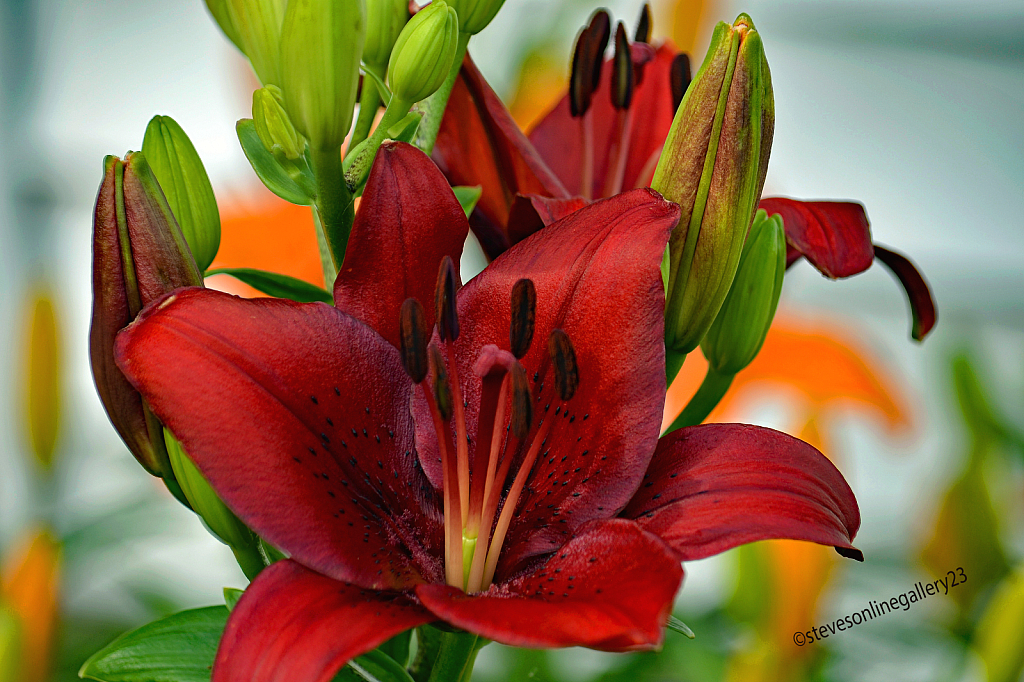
(713, 165)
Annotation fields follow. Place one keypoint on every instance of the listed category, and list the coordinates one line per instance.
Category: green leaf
(231, 597)
(376, 666)
(290, 180)
(468, 196)
(385, 94)
(676, 625)
(179, 648)
(273, 284)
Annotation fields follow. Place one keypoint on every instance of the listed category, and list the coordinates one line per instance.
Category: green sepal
(231, 597)
(178, 648)
(274, 284)
(468, 196)
(185, 184)
(292, 181)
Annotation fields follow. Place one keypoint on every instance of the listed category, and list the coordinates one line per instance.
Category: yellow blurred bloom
(42, 379)
(998, 639)
(29, 586)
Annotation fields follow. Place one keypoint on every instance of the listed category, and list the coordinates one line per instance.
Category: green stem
(433, 107)
(326, 261)
(711, 391)
(369, 102)
(334, 204)
(456, 656)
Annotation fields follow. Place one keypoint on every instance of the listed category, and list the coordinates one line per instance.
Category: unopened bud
(739, 331)
(204, 501)
(413, 338)
(524, 312)
(139, 254)
(445, 304)
(563, 358)
(475, 15)
(442, 388)
(384, 22)
(622, 70)
(257, 24)
(522, 406)
(321, 43)
(273, 125)
(713, 165)
(184, 182)
(221, 13)
(424, 52)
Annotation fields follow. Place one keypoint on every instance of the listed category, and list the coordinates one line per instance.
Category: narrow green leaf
(468, 196)
(405, 130)
(179, 648)
(385, 94)
(273, 284)
(676, 625)
(293, 183)
(231, 597)
(376, 666)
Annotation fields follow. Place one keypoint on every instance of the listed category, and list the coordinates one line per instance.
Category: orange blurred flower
(30, 586)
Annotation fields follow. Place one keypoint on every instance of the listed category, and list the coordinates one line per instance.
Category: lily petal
(297, 625)
(833, 235)
(716, 486)
(480, 144)
(922, 306)
(298, 416)
(408, 221)
(597, 277)
(611, 587)
(532, 212)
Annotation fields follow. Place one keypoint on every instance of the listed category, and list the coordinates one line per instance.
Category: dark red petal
(297, 625)
(532, 212)
(921, 304)
(408, 221)
(557, 135)
(611, 587)
(716, 486)
(833, 235)
(597, 276)
(298, 416)
(480, 144)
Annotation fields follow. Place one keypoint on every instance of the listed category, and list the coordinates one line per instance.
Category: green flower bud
(424, 52)
(258, 26)
(739, 331)
(184, 182)
(139, 254)
(273, 126)
(474, 15)
(384, 22)
(321, 43)
(713, 165)
(205, 502)
(222, 15)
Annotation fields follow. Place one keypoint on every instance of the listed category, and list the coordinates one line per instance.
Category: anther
(442, 389)
(579, 79)
(600, 32)
(444, 301)
(522, 408)
(563, 357)
(524, 311)
(413, 338)
(643, 27)
(622, 70)
(679, 77)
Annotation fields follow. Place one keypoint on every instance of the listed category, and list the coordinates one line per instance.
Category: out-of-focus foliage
(42, 379)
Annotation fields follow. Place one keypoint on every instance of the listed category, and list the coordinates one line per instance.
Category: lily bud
(273, 126)
(424, 53)
(321, 43)
(257, 25)
(713, 165)
(384, 22)
(184, 182)
(139, 254)
(475, 15)
(739, 331)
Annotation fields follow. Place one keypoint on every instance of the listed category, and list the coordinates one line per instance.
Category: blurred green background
(913, 108)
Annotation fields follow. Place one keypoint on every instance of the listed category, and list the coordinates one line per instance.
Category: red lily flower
(531, 181)
(374, 480)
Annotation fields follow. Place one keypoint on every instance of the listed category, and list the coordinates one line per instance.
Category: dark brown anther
(567, 376)
(643, 27)
(524, 310)
(680, 77)
(600, 33)
(622, 70)
(522, 407)
(414, 339)
(579, 79)
(444, 301)
(442, 388)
